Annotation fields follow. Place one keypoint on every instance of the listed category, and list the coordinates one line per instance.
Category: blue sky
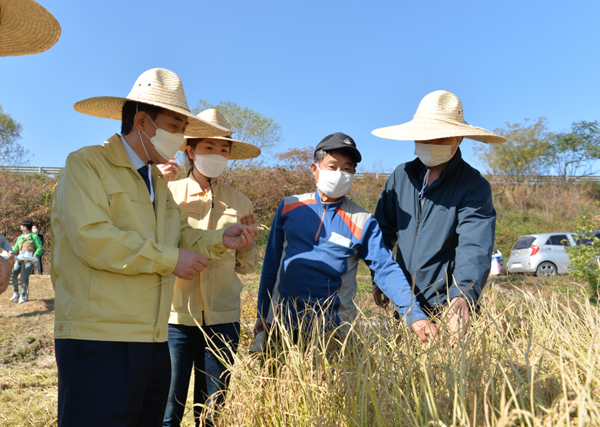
(315, 67)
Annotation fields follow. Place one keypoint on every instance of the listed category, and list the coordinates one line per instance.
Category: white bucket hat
(440, 115)
(26, 28)
(159, 87)
(239, 150)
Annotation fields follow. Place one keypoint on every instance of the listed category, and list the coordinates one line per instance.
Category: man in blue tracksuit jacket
(439, 210)
(314, 246)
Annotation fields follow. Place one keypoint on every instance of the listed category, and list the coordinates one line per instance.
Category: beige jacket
(214, 295)
(113, 251)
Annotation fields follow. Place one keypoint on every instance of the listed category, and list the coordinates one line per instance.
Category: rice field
(531, 358)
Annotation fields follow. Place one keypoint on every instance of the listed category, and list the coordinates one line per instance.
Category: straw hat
(239, 150)
(26, 28)
(158, 87)
(440, 115)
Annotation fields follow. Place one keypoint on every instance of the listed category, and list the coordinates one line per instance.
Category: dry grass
(531, 358)
(525, 209)
(28, 380)
(527, 360)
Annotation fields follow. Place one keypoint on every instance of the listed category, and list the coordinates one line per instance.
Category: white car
(542, 254)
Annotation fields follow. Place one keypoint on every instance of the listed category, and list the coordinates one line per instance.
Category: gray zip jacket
(4, 245)
(445, 239)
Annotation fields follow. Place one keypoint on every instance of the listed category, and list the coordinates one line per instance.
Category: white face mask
(432, 155)
(34, 230)
(166, 143)
(334, 184)
(210, 165)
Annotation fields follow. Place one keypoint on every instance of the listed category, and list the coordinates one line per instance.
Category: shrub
(25, 197)
(585, 265)
(543, 208)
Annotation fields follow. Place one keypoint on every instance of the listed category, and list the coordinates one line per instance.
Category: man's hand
(458, 316)
(5, 268)
(189, 264)
(423, 328)
(239, 236)
(259, 326)
(169, 169)
(379, 297)
(10, 256)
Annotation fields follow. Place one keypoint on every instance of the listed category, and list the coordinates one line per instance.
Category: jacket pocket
(226, 218)
(123, 299)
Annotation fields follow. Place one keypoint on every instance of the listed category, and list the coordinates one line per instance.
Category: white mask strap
(425, 178)
(150, 162)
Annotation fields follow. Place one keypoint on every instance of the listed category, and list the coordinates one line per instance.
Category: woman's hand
(169, 169)
(248, 219)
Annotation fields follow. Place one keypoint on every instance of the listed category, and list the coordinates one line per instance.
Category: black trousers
(106, 383)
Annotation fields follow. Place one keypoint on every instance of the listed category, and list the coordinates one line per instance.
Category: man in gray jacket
(5, 246)
(5, 266)
(439, 210)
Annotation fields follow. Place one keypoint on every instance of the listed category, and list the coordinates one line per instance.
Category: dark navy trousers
(205, 351)
(106, 383)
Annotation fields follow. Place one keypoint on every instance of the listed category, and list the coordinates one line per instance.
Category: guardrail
(24, 170)
(507, 179)
(533, 180)
(493, 179)
(377, 175)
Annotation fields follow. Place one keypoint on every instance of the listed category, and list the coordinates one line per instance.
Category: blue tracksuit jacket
(312, 258)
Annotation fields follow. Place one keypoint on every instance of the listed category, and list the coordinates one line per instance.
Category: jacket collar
(116, 152)
(329, 206)
(117, 155)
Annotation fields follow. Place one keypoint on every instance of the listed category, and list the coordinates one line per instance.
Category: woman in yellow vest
(212, 299)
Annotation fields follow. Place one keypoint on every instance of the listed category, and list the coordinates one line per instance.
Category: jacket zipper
(420, 207)
(320, 224)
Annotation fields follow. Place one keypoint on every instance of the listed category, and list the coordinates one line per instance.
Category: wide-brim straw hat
(440, 115)
(26, 28)
(239, 150)
(159, 87)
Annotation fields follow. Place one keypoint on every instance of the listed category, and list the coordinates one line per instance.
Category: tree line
(531, 149)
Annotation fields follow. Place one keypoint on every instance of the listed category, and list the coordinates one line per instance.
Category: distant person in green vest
(28, 245)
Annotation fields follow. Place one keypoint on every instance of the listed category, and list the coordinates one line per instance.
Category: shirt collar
(194, 188)
(135, 160)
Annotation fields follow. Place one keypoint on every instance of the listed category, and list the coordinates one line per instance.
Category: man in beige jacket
(119, 239)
